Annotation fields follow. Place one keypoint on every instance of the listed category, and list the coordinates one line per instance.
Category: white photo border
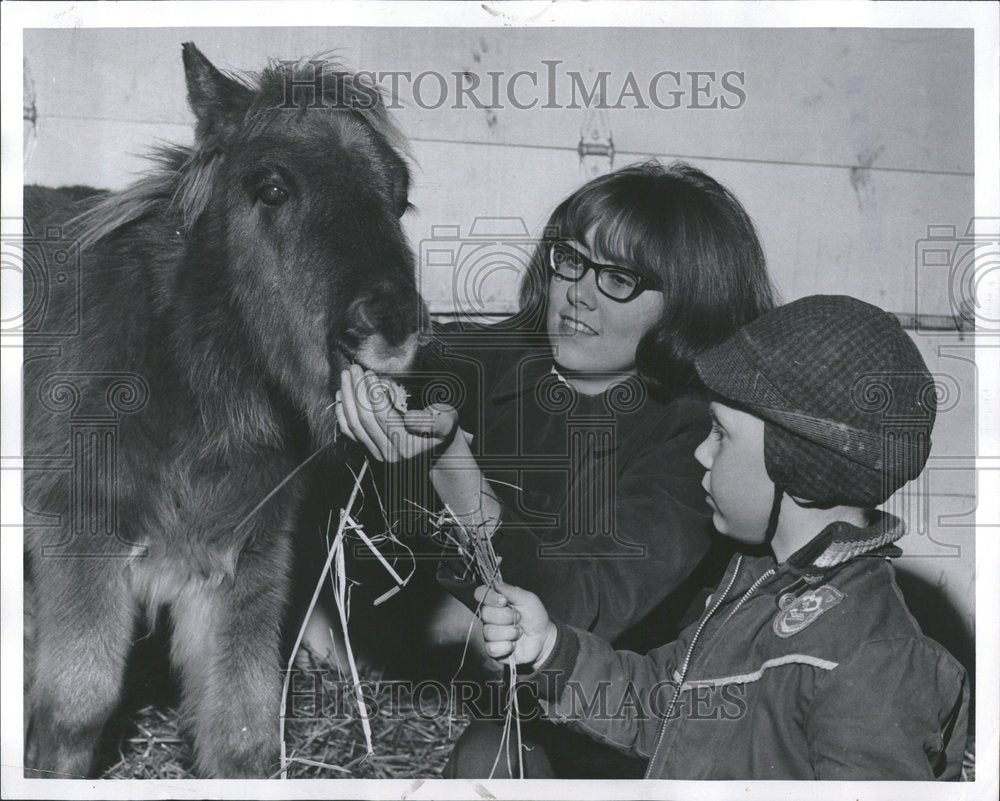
(983, 18)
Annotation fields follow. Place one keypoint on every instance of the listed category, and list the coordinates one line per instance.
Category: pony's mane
(182, 178)
(342, 89)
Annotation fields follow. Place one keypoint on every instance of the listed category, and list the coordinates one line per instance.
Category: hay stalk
(305, 620)
(475, 547)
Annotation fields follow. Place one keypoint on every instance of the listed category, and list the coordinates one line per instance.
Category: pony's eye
(272, 195)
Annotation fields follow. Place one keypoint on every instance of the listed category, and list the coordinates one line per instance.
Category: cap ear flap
(217, 100)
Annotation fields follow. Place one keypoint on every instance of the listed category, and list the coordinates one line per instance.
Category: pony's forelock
(342, 89)
(182, 178)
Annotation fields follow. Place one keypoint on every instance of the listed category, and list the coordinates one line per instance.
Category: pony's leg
(226, 648)
(324, 641)
(83, 619)
(451, 624)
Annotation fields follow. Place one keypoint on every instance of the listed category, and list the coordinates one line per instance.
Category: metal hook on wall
(596, 147)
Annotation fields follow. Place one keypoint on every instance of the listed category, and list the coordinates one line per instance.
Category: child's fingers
(501, 615)
(515, 595)
(498, 650)
(495, 633)
(489, 597)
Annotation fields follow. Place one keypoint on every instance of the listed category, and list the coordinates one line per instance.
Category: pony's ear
(215, 99)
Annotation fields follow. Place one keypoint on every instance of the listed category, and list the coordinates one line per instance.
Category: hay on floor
(412, 739)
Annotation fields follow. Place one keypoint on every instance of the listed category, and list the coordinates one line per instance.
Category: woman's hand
(367, 412)
(515, 622)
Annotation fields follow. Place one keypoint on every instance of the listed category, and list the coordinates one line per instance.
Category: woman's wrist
(460, 484)
(453, 452)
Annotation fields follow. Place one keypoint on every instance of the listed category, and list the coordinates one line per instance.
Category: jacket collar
(840, 542)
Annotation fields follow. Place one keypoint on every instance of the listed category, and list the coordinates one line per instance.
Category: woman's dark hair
(683, 229)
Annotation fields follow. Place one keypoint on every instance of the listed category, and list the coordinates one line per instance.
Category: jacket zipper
(753, 588)
(687, 660)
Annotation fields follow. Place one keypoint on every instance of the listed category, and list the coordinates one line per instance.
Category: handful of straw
(475, 548)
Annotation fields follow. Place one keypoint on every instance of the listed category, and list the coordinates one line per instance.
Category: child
(806, 665)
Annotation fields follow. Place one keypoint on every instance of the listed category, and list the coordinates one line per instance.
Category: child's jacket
(811, 669)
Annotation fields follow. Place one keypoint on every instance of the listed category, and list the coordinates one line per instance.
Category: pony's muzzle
(375, 353)
(383, 334)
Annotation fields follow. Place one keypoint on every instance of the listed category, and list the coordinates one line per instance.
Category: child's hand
(515, 622)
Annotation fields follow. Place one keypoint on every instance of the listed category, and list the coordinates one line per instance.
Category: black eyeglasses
(618, 283)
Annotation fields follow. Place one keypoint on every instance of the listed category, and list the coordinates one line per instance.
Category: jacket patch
(805, 610)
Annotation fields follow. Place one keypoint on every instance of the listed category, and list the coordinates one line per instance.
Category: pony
(181, 363)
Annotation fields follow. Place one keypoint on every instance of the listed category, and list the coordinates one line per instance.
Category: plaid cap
(846, 397)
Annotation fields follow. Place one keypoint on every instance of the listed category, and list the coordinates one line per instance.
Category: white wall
(820, 106)
(849, 145)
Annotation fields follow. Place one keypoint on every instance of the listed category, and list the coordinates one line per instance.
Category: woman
(574, 444)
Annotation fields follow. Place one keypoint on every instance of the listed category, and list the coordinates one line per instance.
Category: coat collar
(840, 542)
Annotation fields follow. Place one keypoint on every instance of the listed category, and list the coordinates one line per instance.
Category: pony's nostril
(360, 320)
(389, 314)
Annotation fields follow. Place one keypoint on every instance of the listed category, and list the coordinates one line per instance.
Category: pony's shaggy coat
(220, 296)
